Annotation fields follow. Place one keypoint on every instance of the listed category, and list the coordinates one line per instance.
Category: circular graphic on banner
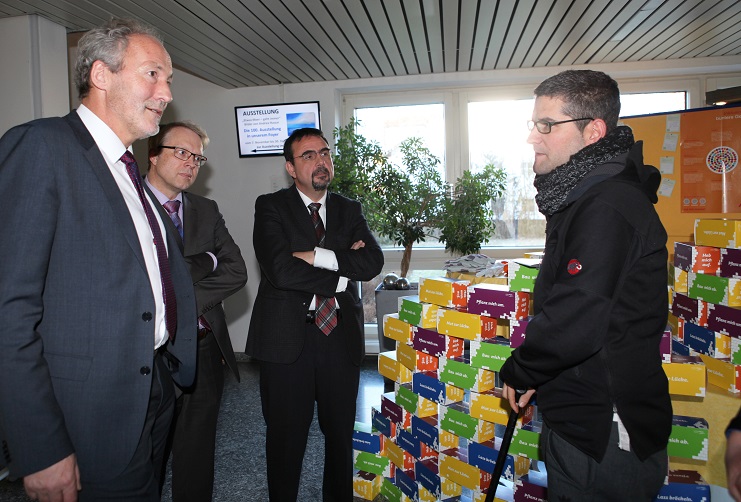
(722, 159)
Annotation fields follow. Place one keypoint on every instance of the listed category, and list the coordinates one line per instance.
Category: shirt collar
(109, 144)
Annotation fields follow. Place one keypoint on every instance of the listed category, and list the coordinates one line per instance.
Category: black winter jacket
(601, 305)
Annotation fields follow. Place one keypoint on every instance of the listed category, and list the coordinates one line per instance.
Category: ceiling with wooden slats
(243, 43)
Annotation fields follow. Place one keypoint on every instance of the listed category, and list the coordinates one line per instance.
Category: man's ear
(595, 131)
(291, 169)
(100, 75)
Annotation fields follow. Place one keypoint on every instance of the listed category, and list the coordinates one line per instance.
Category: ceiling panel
(244, 43)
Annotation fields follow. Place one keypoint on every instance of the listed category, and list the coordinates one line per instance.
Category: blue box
(425, 430)
(699, 339)
(426, 385)
(408, 443)
(684, 485)
(406, 484)
(364, 439)
(426, 474)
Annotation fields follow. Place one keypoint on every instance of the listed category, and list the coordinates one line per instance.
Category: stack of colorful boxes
(437, 436)
(705, 329)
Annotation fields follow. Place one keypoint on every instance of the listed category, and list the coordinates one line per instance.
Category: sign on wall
(261, 130)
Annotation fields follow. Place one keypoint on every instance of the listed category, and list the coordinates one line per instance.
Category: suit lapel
(190, 215)
(109, 187)
(333, 220)
(301, 213)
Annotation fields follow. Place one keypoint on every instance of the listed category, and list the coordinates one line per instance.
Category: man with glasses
(218, 271)
(591, 350)
(307, 322)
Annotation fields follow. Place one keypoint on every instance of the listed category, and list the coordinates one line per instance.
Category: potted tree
(410, 202)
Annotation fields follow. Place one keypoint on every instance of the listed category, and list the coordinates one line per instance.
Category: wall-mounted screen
(262, 129)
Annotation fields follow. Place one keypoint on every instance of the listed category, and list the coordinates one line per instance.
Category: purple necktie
(326, 313)
(168, 290)
(172, 207)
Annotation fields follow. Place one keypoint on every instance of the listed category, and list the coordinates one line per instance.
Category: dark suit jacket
(77, 340)
(287, 285)
(205, 231)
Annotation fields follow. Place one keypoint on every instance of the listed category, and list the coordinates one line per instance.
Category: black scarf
(554, 187)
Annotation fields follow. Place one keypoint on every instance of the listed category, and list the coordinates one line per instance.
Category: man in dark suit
(97, 304)
(310, 258)
(218, 271)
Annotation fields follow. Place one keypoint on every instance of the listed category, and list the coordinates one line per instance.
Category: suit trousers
(140, 480)
(325, 375)
(575, 476)
(194, 427)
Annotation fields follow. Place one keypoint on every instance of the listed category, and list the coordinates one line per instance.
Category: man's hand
(511, 395)
(357, 245)
(57, 483)
(733, 464)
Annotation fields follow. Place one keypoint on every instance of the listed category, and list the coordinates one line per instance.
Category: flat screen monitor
(262, 129)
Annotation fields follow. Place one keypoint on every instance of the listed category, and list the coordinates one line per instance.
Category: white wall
(34, 80)
(235, 183)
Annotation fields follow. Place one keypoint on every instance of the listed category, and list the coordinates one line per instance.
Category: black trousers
(140, 480)
(325, 375)
(194, 427)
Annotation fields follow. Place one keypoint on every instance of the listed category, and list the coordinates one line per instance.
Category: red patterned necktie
(326, 313)
(168, 290)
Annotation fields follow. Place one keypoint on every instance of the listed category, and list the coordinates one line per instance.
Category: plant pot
(387, 302)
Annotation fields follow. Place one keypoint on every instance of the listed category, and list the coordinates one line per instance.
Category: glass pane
(497, 134)
(653, 102)
(390, 125)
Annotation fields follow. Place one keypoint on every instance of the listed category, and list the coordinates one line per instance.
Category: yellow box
(722, 373)
(490, 406)
(396, 329)
(415, 360)
(678, 279)
(452, 465)
(449, 489)
(391, 368)
(721, 233)
(722, 345)
(426, 495)
(686, 375)
(464, 325)
(427, 408)
(366, 485)
(447, 440)
(444, 291)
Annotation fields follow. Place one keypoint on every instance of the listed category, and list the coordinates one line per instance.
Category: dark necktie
(172, 207)
(326, 313)
(168, 290)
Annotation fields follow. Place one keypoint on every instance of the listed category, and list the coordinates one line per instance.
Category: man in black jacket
(591, 350)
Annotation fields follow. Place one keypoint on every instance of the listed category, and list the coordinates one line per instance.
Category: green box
(407, 399)
(373, 463)
(417, 313)
(455, 419)
(522, 273)
(457, 373)
(525, 442)
(707, 287)
(489, 354)
(390, 491)
(689, 438)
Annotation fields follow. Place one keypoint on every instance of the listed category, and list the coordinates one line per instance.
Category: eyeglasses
(544, 127)
(183, 154)
(310, 155)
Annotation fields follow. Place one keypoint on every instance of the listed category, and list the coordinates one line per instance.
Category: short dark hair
(154, 143)
(298, 135)
(107, 43)
(585, 93)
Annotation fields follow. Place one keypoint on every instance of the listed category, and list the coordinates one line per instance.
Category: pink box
(517, 331)
(438, 345)
(497, 301)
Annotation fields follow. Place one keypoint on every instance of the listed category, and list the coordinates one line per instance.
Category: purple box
(433, 343)
(665, 346)
(683, 255)
(390, 409)
(730, 262)
(517, 330)
(684, 307)
(724, 319)
(497, 301)
(525, 491)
